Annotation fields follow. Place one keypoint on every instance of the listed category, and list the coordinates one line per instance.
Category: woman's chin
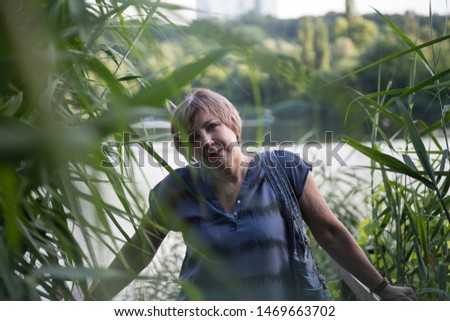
(214, 162)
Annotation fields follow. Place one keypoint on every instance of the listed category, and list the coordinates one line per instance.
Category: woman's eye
(193, 137)
(212, 126)
(194, 140)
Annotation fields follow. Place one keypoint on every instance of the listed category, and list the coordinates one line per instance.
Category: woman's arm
(132, 258)
(337, 241)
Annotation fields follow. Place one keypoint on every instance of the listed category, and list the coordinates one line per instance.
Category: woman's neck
(233, 174)
(228, 182)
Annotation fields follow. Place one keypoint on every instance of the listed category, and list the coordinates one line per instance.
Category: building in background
(233, 8)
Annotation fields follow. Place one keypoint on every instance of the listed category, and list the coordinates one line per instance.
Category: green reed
(409, 230)
(70, 81)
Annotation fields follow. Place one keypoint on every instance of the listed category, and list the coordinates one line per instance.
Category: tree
(306, 40)
(361, 31)
(349, 9)
(322, 45)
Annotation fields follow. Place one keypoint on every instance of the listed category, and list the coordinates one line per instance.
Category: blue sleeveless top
(242, 255)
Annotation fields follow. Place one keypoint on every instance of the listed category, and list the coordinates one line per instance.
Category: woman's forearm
(132, 258)
(343, 248)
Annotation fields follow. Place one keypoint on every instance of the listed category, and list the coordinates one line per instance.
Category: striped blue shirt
(242, 255)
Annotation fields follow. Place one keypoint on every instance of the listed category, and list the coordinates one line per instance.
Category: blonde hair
(202, 100)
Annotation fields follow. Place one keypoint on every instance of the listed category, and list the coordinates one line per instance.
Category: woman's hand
(396, 293)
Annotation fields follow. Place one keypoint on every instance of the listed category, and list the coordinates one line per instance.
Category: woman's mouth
(215, 153)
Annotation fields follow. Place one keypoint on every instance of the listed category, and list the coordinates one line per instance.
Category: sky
(294, 8)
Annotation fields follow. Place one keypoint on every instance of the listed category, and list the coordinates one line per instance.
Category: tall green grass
(70, 82)
(409, 230)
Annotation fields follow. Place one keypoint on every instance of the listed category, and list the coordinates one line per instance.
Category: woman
(224, 205)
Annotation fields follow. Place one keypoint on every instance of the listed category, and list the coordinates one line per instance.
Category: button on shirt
(242, 255)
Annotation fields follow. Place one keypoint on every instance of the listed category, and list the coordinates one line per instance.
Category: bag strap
(287, 200)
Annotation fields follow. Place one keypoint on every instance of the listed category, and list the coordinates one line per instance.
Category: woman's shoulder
(287, 158)
(177, 179)
(295, 167)
(164, 197)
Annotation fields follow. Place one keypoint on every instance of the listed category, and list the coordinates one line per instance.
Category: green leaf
(416, 140)
(396, 55)
(12, 105)
(130, 77)
(409, 162)
(391, 209)
(116, 89)
(79, 273)
(421, 263)
(443, 276)
(444, 159)
(403, 36)
(423, 84)
(437, 125)
(443, 190)
(388, 161)
(157, 94)
(192, 292)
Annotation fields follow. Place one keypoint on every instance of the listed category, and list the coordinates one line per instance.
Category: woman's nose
(206, 140)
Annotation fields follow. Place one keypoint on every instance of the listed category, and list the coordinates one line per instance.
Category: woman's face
(212, 141)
